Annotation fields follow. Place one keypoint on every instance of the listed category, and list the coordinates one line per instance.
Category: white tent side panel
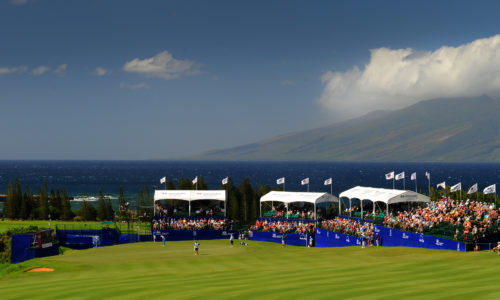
(290, 197)
(190, 195)
(388, 196)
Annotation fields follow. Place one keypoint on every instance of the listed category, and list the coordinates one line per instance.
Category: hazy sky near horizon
(167, 79)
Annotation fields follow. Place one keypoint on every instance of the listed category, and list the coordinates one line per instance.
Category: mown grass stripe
(147, 270)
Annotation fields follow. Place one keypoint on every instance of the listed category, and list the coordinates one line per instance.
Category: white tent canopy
(387, 196)
(290, 197)
(190, 195)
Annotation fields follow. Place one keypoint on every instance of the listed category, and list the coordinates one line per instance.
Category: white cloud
(287, 83)
(39, 70)
(99, 71)
(13, 70)
(133, 86)
(397, 78)
(18, 2)
(61, 69)
(162, 65)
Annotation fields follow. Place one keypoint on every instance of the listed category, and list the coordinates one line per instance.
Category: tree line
(436, 195)
(242, 202)
(26, 204)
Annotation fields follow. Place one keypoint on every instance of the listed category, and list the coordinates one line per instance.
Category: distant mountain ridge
(445, 129)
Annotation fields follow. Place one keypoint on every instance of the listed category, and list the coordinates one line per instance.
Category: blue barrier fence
(187, 235)
(21, 249)
(83, 239)
(398, 238)
(294, 239)
(325, 238)
(389, 238)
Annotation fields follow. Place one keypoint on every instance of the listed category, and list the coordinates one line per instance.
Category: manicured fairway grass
(260, 270)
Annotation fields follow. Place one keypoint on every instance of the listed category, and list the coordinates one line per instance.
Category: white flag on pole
(305, 181)
(389, 175)
(400, 176)
(413, 176)
(280, 180)
(195, 180)
(472, 189)
(490, 189)
(328, 181)
(442, 184)
(456, 187)
(428, 175)
(225, 180)
(162, 180)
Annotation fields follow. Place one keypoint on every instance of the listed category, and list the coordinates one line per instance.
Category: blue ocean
(87, 177)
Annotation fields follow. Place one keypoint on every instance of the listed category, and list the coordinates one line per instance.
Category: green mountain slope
(458, 129)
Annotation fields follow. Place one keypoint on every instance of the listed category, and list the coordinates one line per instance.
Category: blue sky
(167, 79)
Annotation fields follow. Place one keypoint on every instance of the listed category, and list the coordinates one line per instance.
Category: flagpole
(308, 186)
(429, 180)
(393, 181)
(284, 181)
(415, 183)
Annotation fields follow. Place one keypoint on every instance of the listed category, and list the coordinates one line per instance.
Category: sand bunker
(40, 270)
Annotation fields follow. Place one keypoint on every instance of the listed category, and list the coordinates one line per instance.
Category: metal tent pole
(361, 204)
(429, 179)
(340, 206)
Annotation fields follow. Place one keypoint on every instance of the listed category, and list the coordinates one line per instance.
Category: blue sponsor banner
(21, 249)
(398, 238)
(186, 235)
(326, 238)
(20, 245)
(83, 239)
(294, 239)
(388, 238)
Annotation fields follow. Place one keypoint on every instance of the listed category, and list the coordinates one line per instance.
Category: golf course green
(259, 270)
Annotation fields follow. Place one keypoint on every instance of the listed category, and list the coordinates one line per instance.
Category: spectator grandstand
(468, 221)
(189, 223)
(465, 220)
(283, 226)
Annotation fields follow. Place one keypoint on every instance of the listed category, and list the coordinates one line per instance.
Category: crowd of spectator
(467, 220)
(349, 227)
(164, 211)
(292, 213)
(283, 226)
(176, 223)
